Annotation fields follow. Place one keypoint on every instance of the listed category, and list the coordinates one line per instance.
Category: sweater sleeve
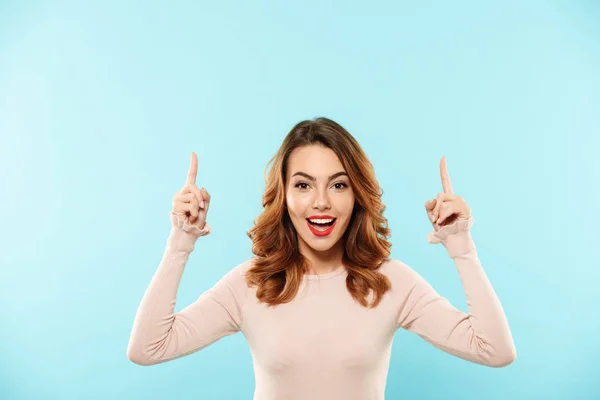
(159, 333)
(482, 335)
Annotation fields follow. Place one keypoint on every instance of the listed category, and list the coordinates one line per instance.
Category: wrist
(190, 228)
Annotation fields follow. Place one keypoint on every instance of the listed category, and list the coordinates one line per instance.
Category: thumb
(429, 205)
(205, 196)
(194, 189)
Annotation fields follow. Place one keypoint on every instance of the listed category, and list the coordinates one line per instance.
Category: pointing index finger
(193, 171)
(446, 183)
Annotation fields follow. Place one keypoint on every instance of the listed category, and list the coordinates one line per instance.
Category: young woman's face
(317, 186)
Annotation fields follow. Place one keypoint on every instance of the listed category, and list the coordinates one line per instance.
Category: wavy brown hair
(279, 267)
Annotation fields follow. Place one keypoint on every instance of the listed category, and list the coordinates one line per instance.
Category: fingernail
(202, 204)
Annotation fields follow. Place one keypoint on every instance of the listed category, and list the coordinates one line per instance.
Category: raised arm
(159, 333)
(482, 335)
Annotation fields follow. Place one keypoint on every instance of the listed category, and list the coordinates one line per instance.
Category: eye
(301, 183)
(304, 185)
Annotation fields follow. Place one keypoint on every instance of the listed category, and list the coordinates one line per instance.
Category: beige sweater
(322, 345)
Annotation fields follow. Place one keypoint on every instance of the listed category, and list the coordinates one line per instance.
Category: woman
(321, 301)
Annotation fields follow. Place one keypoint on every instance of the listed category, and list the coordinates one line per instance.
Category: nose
(321, 201)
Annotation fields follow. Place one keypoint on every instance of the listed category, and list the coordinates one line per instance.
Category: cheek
(296, 204)
(347, 205)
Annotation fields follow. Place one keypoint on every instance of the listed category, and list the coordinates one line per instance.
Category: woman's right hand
(191, 203)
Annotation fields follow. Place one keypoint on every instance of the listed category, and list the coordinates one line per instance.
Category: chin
(322, 246)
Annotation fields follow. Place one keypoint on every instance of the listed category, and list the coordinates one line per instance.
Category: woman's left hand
(446, 208)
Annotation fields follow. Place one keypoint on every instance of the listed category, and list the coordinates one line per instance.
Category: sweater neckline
(337, 271)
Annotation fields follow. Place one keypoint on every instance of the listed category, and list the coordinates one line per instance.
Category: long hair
(279, 267)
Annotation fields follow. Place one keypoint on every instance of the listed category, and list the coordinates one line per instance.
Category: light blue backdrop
(101, 105)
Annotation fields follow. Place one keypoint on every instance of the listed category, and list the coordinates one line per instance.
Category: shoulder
(232, 284)
(399, 272)
(392, 266)
(242, 267)
(236, 276)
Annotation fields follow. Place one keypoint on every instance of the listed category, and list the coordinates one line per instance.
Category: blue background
(101, 105)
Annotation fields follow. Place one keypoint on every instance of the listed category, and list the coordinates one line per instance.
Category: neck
(322, 262)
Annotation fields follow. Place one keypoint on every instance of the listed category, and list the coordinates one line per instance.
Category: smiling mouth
(318, 225)
(321, 230)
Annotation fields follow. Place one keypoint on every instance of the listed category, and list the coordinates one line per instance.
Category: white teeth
(320, 221)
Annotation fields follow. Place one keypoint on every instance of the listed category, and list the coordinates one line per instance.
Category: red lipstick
(323, 230)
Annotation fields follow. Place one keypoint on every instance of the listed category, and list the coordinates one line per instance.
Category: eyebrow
(312, 178)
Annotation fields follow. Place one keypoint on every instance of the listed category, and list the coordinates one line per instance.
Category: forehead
(315, 160)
